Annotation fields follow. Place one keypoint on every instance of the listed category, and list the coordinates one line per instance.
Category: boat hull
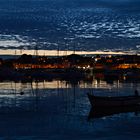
(97, 101)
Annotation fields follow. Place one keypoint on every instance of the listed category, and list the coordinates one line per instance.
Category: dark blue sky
(86, 24)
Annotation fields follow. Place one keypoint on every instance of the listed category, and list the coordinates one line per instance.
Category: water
(60, 110)
(70, 25)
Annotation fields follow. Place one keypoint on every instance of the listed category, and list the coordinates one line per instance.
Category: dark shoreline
(70, 67)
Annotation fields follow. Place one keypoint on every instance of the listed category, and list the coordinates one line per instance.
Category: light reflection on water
(59, 110)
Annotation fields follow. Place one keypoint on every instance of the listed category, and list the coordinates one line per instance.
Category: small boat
(101, 101)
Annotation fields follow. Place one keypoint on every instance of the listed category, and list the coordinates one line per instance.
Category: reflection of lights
(124, 77)
(95, 83)
(10, 88)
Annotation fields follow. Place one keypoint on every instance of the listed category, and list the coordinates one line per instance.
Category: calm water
(70, 24)
(59, 110)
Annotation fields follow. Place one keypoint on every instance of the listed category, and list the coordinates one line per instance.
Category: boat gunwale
(113, 97)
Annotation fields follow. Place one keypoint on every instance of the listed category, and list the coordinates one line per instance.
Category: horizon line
(61, 52)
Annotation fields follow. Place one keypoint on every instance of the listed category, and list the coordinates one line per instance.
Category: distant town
(43, 66)
(98, 62)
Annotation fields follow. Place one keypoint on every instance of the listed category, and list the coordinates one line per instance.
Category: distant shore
(18, 52)
(74, 66)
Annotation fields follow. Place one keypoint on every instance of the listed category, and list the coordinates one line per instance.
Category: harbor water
(56, 109)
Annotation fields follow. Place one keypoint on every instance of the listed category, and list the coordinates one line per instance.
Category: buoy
(21, 93)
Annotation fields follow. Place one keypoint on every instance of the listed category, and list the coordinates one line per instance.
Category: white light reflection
(10, 89)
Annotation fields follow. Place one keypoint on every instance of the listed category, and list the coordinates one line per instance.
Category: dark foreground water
(70, 24)
(60, 110)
